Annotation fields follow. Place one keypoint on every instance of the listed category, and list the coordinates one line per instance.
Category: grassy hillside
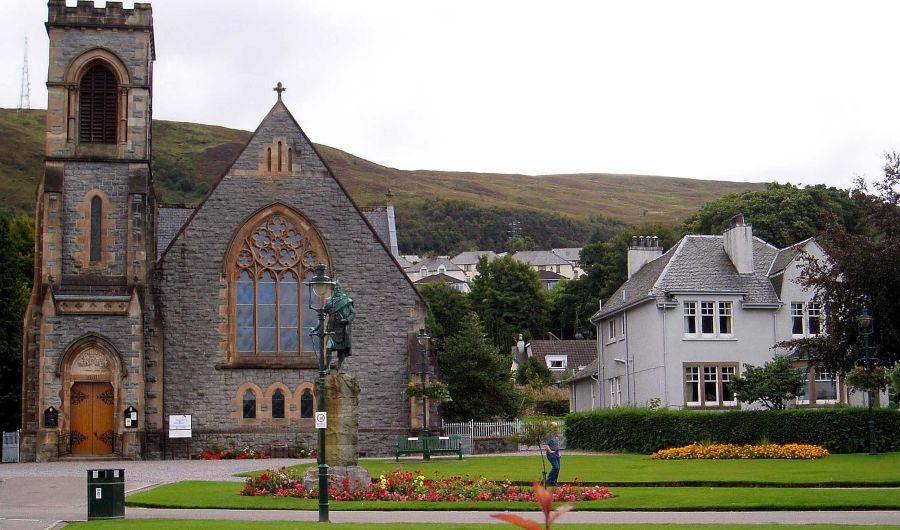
(188, 158)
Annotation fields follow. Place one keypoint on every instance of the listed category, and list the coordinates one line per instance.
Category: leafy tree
(16, 244)
(773, 384)
(781, 214)
(861, 271)
(508, 298)
(446, 309)
(534, 373)
(477, 375)
(518, 243)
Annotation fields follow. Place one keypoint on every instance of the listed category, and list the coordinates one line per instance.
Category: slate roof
(432, 264)
(169, 221)
(549, 276)
(381, 219)
(471, 257)
(539, 257)
(572, 254)
(699, 264)
(439, 278)
(588, 371)
(578, 352)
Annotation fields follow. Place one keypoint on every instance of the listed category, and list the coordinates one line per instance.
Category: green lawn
(181, 524)
(613, 470)
(199, 494)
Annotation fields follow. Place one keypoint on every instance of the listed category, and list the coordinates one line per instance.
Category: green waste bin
(105, 494)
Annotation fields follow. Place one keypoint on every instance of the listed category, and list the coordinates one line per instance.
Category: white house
(687, 320)
(433, 266)
(546, 260)
(468, 261)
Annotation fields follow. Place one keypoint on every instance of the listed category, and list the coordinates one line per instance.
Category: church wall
(193, 297)
(80, 179)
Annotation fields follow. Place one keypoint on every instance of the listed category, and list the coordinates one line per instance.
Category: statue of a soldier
(339, 309)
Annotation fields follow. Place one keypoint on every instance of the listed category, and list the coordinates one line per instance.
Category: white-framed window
(706, 385)
(423, 272)
(714, 319)
(552, 284)
(441, 269)
(615, 329)
(611, 329)
(467, 267)
(615, 391)
(556, 363)
(806, 319)
(819, 383)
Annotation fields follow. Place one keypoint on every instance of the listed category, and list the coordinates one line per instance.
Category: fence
(10, 447)
(468, 431)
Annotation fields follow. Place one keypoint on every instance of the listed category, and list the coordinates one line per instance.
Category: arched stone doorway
(90, 374)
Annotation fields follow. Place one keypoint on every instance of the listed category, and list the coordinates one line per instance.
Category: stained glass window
(278, 404)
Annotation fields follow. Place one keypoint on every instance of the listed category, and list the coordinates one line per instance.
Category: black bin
(105, 494)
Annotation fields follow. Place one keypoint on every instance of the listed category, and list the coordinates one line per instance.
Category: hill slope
(189, 157)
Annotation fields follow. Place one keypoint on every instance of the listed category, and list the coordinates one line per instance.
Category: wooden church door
(92, 418)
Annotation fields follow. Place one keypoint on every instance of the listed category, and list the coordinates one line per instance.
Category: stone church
(141, 312)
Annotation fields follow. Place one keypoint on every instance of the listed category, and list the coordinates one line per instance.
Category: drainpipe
(665, 360)
(629, 388)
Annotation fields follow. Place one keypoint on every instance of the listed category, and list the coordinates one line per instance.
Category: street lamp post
(320, 287)
(865, 328)
(423, 349)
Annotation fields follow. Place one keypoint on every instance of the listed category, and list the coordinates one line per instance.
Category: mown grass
(197, 524)
(615, 470)
(224, 495)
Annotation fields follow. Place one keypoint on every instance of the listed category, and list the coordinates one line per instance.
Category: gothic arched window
(278, 404)
(249, 405)
(276, 254)
(306, 404)
(98, 106)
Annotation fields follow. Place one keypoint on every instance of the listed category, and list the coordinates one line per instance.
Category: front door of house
(92, 418)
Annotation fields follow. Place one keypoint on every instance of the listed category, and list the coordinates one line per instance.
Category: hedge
(640, 430)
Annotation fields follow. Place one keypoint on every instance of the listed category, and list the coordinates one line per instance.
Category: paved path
(38, 496)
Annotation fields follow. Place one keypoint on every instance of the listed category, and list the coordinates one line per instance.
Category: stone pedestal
(342, 435)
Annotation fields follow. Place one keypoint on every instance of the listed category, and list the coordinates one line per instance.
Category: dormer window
(98, 106)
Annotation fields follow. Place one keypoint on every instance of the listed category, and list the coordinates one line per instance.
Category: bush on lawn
(639, 430)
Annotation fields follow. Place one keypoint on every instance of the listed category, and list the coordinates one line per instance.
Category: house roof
(382, 220)
(568, 254)
(549, 276)
(697, 263)
(587, 371)
(169, 221)
(539, 257)
(439, 278)
(578, 352)
(432, 264)
(471, 257)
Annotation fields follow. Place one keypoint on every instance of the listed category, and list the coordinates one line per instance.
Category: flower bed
(233, 454)
(725, 451)
(405, 485)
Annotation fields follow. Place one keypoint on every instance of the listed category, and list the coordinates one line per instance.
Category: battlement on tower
(86, 15)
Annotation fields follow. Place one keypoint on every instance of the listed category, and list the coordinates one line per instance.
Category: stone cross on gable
(278, 88)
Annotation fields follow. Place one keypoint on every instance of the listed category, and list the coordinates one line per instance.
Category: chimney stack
(643, 250)
(739, 244)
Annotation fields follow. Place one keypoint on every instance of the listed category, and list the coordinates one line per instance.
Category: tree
(477, 376)
(861, 271)
(446, 309)
(534, 373)
(515, 244)
(772, 385)
(781, 214)
(508, 298)
(16, 244)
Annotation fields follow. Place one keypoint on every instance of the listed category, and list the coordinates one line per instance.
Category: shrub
(838, 429)
(232, 454)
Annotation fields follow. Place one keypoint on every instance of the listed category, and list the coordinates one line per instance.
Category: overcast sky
(788, 91)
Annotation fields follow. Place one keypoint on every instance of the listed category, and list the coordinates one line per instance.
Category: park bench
(427, 446)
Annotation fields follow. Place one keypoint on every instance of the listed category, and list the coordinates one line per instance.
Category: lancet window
(98, 105)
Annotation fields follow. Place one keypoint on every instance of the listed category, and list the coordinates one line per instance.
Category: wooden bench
(427, 446)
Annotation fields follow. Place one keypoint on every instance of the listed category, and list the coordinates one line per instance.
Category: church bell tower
(84, 361)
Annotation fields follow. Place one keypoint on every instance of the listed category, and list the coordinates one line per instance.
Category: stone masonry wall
(192, 292)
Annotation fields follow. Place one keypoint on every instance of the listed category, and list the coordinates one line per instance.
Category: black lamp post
(865, 328)
(423, 349)
(320, 288)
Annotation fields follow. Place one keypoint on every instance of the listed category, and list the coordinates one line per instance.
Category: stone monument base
(358, 477)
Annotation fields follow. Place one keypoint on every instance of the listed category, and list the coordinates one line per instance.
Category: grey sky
(801, 92)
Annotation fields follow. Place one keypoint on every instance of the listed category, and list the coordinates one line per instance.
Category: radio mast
(25, 89)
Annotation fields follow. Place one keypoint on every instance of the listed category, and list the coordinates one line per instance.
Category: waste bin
(105, 494)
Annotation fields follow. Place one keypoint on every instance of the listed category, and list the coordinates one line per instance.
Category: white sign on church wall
(179, 426)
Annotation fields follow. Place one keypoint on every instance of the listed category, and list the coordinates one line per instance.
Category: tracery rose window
(273, 262)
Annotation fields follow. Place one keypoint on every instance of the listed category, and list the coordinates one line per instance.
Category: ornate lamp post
(423, 337)
(865, 328)
(320, 287)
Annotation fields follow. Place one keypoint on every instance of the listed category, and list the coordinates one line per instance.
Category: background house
(699, 312)
(468, 261)
(546, 260)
